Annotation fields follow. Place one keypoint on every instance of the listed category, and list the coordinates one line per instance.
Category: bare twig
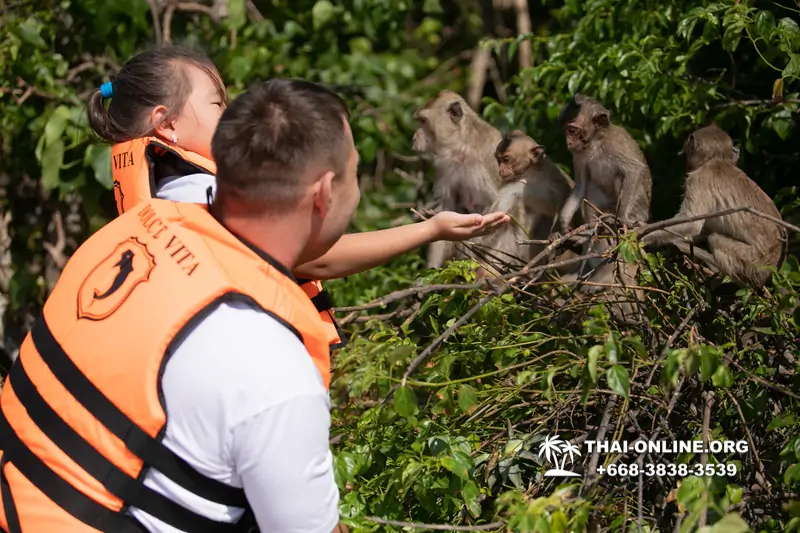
(670, 341)
(156, 21)
(759, 464)
(649, 228)
(763, 381)
(56, 251)
(709, 402)
(435, 527)
(523, 28)
(478, 69)
(252, 9)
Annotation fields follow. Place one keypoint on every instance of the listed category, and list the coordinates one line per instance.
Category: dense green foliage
(458, 442)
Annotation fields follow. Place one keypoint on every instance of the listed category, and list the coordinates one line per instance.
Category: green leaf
(56, 124)
(782, 126)
(722, 377)
(593, 353)
(458, 463)
(30, 32)
(734, 493)
(730, 523)
(792, 475)
(322, 13)
(471, 494)
(709, 360)
(237, 14)
(52, 161)
(765, 25)
(467, 399)
(98, 156)
(431, 7)
(611, 349)
(791, 30)
(618, 382)
(792, 69)
(405, 401)
(690, 490)
(783, 420)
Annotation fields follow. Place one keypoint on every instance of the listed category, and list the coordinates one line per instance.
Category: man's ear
(536, 153)
(323, 189)
(162, 128)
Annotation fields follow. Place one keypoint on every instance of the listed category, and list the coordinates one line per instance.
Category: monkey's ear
(536, 153)
(689, 146)
(735, 154)
(601, 119)
(455, 111)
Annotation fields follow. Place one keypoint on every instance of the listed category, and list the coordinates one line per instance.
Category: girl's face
(194, 127)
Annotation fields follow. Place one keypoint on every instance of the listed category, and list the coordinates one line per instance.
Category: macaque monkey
(610, 169)
(612, 173)
(533, 192)
(741, 244)
(546, 186)
(461, 146)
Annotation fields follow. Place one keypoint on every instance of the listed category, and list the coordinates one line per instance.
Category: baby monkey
(532, 192)
(741, 244)
(542, 185)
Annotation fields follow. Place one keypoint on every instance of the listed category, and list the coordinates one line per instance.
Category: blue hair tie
(106, 90)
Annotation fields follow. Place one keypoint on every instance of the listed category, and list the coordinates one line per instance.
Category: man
(177, 378)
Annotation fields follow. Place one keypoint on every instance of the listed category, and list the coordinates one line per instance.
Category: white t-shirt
(246, 406)
(192, 188)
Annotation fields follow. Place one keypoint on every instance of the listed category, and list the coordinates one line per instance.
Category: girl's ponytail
(99, 119)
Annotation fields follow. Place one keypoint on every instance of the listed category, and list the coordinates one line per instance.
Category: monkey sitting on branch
(533, 192)
(461, 146)
(611, 173)
(741, 244)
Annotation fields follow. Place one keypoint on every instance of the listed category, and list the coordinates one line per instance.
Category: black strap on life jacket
(132, 491)
(324, 304)
(8, 501)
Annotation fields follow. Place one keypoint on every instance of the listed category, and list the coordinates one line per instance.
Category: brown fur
(740, 243)
(610, 168)
(612, 173)
(461, 146)
(533, 192)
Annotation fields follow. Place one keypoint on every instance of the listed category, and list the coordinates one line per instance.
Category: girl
(164, 106)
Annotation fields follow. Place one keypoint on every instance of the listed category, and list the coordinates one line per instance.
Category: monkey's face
(590, 120)
(577, 135)
(513, 164)
(440, 126)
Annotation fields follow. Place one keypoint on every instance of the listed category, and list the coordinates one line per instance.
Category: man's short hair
(270, 140)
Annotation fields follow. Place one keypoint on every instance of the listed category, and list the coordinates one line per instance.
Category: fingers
(496, 218)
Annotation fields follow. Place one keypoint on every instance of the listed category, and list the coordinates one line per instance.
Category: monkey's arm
(685, 230)
(573, 201)
(629, 195)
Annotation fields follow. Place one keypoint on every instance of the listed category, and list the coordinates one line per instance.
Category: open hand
(452, 226)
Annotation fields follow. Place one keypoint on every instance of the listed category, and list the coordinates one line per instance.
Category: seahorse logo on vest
(113, 280)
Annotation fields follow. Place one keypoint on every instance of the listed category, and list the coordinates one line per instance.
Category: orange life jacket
(136, 168)
(82, 412)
